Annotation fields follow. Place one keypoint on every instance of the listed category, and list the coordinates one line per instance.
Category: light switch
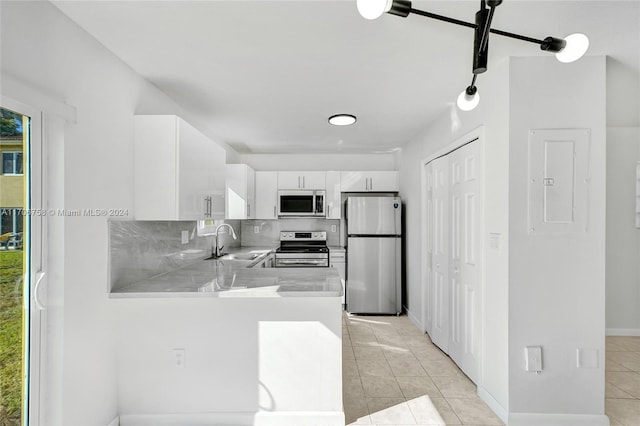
(185, 237)
(256, 229)
(333, 228)
(533, 359)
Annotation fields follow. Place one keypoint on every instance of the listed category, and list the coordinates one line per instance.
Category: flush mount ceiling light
(342, 119)
(569, 49)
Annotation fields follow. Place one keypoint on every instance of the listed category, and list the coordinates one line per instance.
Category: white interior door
(427, 286)
(464, 277)
(440, 256)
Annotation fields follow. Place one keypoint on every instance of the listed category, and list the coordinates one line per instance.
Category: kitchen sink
(240, 256)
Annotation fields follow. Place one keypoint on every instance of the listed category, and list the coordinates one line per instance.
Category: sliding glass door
(20, 252)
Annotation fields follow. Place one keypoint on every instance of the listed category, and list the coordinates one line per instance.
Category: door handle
(304, 185)
(299, 185)
(274, 211)
(371, 184)
(39, 276)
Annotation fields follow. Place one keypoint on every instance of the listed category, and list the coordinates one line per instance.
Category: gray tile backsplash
(139, 250)
(269, 230)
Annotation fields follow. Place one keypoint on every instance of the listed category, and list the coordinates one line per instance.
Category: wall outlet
(185, 237)
(179, 356)
(256, 229)
(334, 228)
(533, 359)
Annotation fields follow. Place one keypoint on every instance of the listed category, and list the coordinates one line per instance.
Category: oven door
(299, 260)
(300, 203)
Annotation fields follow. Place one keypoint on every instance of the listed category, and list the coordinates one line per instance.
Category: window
(10, 221)
(12, 163)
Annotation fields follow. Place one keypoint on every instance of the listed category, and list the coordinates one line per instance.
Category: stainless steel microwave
(301, 203)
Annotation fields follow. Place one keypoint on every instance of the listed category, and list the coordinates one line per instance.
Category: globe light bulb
(373, 9)
(467, 102)
(576, 47)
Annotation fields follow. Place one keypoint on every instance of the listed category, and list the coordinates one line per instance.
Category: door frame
(35, 259)
(475, 135)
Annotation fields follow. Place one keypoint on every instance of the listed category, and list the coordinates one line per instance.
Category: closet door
(427, 286)
(440, 262)
(464, 278)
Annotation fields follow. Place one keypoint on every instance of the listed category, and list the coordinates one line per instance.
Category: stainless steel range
(302, 249)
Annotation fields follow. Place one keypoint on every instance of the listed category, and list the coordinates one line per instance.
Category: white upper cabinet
(375, 181)
(266, 195)
(333, 207)
(178, 171)
(301, 180)
(240, 192)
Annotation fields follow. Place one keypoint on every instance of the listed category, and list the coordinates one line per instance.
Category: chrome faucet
(215, 250)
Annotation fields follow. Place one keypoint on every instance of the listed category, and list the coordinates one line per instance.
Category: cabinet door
(239, 191)
(353, 182)
(289, 180)
(194, 162)
(313, 180)
(266, 195)
(155, 171)
(251, 193)
(334, 207)
(384, 181)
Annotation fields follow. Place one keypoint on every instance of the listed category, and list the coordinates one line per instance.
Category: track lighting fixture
(569, 49)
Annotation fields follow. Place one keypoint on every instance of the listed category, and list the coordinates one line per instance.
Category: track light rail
(474, 26)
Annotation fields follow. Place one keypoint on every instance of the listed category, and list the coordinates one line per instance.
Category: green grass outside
(11, 271)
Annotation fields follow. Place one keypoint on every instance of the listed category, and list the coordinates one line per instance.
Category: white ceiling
(266, 75)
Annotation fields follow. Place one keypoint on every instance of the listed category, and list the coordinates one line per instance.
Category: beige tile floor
(622, 389)
(394, 375)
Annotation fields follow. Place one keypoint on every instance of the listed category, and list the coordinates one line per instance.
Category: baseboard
(622, 331)
(277, 418)
(495, 406)
(115, 421)
(533, 419)
(413, 319)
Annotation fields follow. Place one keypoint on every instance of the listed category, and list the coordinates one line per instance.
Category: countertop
(236, 278)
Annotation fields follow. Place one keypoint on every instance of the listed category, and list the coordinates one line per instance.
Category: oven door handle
(301, 262)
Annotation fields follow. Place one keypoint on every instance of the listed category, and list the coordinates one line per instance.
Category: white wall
(493, 114)
(556, 281)
(623, 238)
(286, 362)
(91, 168)
(295, 162)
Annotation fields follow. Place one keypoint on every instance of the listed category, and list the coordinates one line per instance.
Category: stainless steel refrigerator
(374, 250)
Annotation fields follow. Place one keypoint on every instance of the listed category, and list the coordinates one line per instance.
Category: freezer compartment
(373, 275)
(374, 215)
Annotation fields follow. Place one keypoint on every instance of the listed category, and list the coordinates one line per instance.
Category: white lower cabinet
(453, 256)
(266, 195)
(178, 172)
(337, 259)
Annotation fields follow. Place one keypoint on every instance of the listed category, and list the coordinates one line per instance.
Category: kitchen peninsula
(217, 342)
